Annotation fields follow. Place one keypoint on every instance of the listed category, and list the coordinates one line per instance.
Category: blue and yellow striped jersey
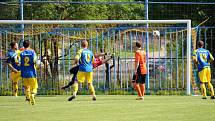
(13, 58)
(28, 63)
(203, 58)
(86, 59)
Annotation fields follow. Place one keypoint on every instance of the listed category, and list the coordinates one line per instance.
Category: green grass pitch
(108, 108)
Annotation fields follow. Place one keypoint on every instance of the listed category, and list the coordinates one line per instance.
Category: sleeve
(211, 57)
(78, 55)
(137, 57)
(93, 59)
(194, 55)
(17, 59)
(34, 57)
(8, 58)
(137, 60)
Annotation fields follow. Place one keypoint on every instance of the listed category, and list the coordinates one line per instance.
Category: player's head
(26, 44)
(84, 44)
(200, 44)
(137, 45)
(14, 45)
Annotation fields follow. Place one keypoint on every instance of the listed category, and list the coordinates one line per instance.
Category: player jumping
(97, 62)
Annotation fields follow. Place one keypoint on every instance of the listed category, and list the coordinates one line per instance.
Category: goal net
(166, 42)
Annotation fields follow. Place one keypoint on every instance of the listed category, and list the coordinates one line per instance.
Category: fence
(58, 44)
(159, 61)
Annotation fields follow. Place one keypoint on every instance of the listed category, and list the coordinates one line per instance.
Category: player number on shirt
(26, 60)
(204, 57)
(87, 55)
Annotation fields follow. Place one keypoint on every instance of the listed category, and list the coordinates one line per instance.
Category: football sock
(203, 89)
(142, 88)
(15, 88)
(27, 92)
(210, 86)
(91, 89)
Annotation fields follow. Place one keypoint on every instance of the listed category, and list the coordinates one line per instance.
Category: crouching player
(28, 72)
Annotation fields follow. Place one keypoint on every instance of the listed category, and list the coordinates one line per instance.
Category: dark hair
(200, 43)
(26, 43)
(12, 44)
(138, 44)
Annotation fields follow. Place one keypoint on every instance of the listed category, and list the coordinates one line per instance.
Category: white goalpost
(188, 37)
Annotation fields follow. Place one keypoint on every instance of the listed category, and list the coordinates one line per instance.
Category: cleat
(212, 97)
(71, 98)
(204, 97)
(140, 98)
(94, 98)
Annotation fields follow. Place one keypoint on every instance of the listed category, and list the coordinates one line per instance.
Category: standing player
(28, 72)
(97, 62)
(202, 58)
(85, 59)
(12, 61)
(140, 71)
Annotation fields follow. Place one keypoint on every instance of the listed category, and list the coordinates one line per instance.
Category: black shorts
(141, 78)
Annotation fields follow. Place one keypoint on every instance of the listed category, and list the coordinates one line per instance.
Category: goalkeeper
(97, 62)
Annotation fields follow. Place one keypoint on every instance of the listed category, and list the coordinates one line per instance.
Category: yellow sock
(203, 89)
(75, 89)
(15, 88)
(27, 92)
(92, 90)
(210, 86)
(33, 92)
(32, 96)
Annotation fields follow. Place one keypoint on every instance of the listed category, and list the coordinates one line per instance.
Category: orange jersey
(140, 56)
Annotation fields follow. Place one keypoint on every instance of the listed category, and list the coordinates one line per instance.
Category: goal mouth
(161, 39)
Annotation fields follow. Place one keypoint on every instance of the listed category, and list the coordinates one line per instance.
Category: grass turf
(108, 108)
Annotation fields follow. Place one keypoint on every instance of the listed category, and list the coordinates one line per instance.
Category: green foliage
(84, 11)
